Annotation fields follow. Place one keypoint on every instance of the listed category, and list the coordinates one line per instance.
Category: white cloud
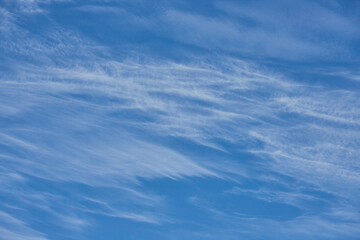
(75, 116)
(12, 228)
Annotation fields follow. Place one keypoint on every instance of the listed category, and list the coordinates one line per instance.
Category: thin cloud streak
(106, 124)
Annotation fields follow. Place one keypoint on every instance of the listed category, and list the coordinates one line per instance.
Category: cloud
(289, 197)
(15, 229)
(280, 30)
(225, 34)
(232, 225)
(99, 9)
(29, 6)
(74, 113)
(302, 130)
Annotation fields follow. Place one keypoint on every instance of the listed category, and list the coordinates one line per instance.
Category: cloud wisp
(82, 125)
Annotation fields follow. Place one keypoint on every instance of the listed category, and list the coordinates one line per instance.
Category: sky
(180, 120)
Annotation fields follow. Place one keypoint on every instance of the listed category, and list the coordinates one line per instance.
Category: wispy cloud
(14, 229)
(73, 113)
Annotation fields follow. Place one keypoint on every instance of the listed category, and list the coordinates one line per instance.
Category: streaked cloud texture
(179, 119)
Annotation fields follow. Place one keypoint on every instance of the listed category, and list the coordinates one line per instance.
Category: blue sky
(180, 120)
